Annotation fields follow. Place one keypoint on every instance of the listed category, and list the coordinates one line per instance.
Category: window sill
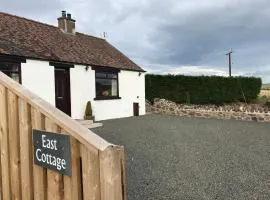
(106, 98)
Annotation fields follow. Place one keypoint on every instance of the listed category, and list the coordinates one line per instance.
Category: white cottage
(68, 69)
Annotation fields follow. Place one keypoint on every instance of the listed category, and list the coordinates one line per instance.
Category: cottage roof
(31, 39)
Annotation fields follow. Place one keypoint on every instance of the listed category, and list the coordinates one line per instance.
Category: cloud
(189, 36)
(39, 10)
(263, 73)
(203, 36)
(191, 70)
(197, 71)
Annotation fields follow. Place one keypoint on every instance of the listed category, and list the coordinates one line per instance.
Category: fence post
(111, 174)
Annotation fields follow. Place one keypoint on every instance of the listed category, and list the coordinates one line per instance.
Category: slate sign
(52, 151)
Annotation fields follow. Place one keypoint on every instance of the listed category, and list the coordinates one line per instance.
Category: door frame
(68, 88)
(136, 109)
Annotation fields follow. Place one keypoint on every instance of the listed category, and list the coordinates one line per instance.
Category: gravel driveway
(170, 157)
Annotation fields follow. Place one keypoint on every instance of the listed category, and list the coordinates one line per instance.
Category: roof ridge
(84, 34)
(119, 51)
(31, 20)
(46, 24)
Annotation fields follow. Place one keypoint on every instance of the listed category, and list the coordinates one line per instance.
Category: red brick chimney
(66, 23)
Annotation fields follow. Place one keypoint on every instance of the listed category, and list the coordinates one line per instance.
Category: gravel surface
(170, 157)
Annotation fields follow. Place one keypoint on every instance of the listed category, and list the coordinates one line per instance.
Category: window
(13, 70)
(106, 85)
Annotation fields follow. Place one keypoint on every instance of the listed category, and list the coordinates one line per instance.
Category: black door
(136, 109)
(62, 90)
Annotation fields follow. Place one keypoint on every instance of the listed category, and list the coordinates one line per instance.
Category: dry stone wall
(237, 111)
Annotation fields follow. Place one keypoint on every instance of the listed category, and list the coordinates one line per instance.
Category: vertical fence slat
(121, 152)
(76, 170)
(67, 179)
(90, 174)
(54, 179)
(1, 192)
(39, 173)
(26, 150)
(67, 190)
(72, 185)
(111, 178)
(14, 144)
(67, 187)
(4, 144)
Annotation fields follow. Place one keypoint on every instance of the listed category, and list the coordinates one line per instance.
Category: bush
(202, 89)
(88, 111)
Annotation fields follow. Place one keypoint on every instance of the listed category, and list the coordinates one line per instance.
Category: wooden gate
(97, 166)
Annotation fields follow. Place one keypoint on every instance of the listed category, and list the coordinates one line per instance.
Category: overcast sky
(172, 36)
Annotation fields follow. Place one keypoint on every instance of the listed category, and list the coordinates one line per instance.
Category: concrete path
(170, 157)
(89, 123)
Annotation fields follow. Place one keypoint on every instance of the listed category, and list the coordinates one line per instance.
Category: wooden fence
(97, 166)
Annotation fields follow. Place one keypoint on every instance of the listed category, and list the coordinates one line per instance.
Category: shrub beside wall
(202, 89)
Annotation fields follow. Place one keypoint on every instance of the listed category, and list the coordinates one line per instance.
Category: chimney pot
(69, 16)
(64, 15)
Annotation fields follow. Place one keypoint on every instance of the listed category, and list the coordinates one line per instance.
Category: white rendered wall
(82, 87)
(131, 90)
(38, 76)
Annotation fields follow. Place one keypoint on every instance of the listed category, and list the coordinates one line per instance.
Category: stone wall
(237, 111)
(148, 106)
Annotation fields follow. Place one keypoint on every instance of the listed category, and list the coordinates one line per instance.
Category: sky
(174, 36)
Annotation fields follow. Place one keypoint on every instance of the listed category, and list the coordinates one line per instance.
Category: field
(264, 95)
(265, 92)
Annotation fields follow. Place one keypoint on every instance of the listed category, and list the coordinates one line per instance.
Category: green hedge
(202, 89)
